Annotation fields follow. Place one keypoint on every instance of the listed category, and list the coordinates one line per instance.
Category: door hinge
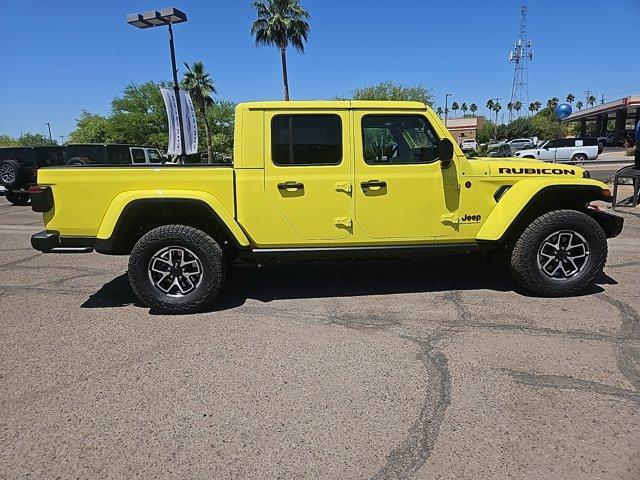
(342, 187)
(449, 218)
(342, 221)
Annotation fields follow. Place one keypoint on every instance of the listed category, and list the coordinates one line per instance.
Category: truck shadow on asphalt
(347, 278)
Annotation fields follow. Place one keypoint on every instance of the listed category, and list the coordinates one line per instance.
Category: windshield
(154, 156)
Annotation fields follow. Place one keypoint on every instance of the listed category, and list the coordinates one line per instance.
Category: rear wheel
(177, 269)
(77, 161)
(579, 158)
(20, 199)
(559, 254)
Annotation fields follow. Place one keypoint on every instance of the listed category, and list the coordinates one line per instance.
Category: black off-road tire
(19, 199)
(11, 174)
(205, 248)
(524, 256)
(77, 162)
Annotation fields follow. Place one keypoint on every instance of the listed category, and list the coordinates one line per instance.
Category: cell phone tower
(520, 56)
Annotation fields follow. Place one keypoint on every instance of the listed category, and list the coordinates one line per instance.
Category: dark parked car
(110, 154)
(18, 167)
(501, 150)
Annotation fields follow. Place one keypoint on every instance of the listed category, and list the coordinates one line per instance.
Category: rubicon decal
(536, 171)
(470, 218)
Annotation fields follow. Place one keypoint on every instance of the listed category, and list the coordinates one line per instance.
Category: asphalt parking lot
(429, 368)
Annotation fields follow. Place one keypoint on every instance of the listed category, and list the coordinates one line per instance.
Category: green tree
(439, 111)
(139, 116)
(510, 107)
(200, 85)
(570, 98)
(8, 141)
(393, 91)
(221, 117)
(473, 108)
(455, 107)
(464, 109)
(591, 100)
(282, 23)
(579, 105)
(35, 140)
(90, 128)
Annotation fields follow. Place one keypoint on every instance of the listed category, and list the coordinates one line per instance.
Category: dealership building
(624, 112)
(464, 127)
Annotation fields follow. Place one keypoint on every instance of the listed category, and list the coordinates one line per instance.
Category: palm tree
(570, 98)
(553, 102)
(510, 106)
(591, 100)
(439, 111)
(455, 107)
(281, 23)
(473, 108)
(199, 84)
(490, 106)
(517, 106)
(579, 105)
(534, 106)
(464, 108)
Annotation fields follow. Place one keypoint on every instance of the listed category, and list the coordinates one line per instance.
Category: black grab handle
(374, 183)
(290, 185)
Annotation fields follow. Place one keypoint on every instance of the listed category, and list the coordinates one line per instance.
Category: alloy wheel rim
(563, 255)
(175, 271)
(7, 174)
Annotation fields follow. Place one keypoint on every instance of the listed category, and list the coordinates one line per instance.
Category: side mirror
(445, 151)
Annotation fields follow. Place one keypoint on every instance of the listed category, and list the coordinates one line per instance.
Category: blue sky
(61, 57)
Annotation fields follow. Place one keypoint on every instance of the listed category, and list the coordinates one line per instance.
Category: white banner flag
(188, 121)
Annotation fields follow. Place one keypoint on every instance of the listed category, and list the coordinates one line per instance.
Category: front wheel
(20, 199)
(177, 269)
(559, 254)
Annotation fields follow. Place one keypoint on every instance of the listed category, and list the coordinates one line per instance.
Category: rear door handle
(291, 186)
(373, 183)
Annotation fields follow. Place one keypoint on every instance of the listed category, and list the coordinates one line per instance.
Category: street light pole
(176, 89)
(167, 16)
(495, 134)
(446, 107)
(50, 138)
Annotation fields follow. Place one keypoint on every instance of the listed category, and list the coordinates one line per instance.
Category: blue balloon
(563, 111)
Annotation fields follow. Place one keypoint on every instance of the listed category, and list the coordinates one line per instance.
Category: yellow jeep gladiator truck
(327, 179)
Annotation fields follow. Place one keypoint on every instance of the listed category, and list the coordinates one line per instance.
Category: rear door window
(137, 154)
(306, 140)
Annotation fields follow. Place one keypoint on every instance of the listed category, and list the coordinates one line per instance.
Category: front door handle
(373, 183)
(291, 186)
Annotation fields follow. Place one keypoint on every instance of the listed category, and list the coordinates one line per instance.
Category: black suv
(18, 167)
(110, 154)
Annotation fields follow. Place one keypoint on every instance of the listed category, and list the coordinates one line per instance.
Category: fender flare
(123, 200)
(526, 193)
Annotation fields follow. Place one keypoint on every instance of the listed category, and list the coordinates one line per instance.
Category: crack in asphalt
(627, 353)
(412, 453)
(569, 383)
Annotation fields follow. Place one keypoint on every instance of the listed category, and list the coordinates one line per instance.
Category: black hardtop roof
(110, 145)
(31, 147)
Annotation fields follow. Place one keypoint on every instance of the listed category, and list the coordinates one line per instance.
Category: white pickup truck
(564, 150)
